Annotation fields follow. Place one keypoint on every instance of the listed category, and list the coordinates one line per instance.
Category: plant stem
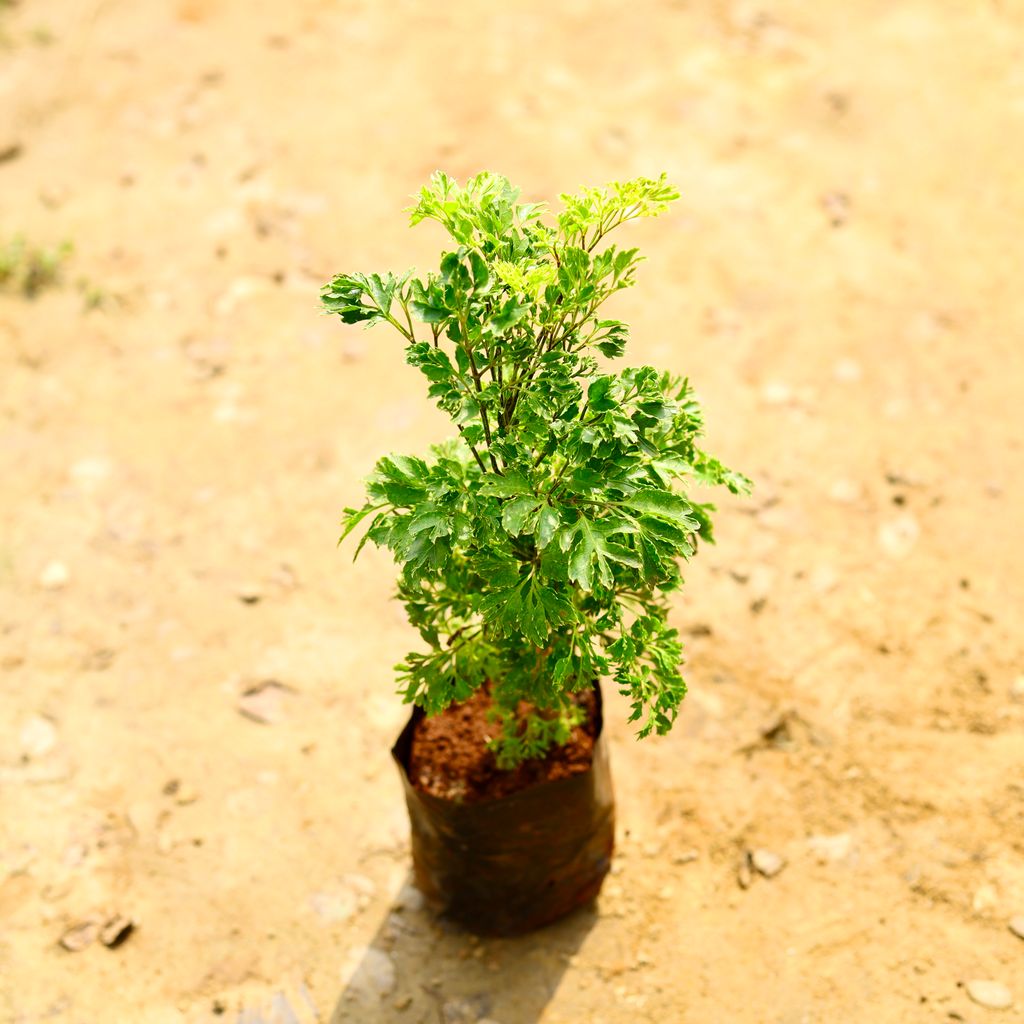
(472, 448)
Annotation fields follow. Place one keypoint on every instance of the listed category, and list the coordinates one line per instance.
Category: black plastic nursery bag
(509, 865)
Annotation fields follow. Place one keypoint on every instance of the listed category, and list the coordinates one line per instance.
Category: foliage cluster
(538, 546)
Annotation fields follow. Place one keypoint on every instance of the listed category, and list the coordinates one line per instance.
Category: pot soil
(505, 852)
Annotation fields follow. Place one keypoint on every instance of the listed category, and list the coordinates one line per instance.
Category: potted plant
(538, 547)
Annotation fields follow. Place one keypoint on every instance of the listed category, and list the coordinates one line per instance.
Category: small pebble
(185, 795)
(403, 1003)
(334, 907)
(985, 898)
(80, 935)
(767, 863)
(54, 576)
(744, 877)
(1017, 925)
(1017, 688)
(343, 900)
(116, 931)
(898, 536)
(830, 848)
(844, 491)
(264, 702)
(686, 857)
(250, 593)
(38, 736)
(993, 995)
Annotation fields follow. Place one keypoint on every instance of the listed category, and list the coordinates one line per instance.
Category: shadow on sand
(420, 969)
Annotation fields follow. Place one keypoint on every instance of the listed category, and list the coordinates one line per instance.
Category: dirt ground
(196, 696)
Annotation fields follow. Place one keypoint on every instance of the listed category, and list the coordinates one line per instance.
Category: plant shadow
(421, 969)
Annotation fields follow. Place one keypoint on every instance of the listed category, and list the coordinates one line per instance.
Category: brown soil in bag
(449, 757)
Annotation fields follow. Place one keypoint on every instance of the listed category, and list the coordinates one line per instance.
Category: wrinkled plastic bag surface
(510, 865)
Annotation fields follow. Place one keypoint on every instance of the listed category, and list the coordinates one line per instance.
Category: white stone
(249, 593)
(1017, 688)
(985, 898)
(767, 862)
(38, 736)
(898, 536)
(54, 576)
(1017, 925)
(78, 936)
(993, 995)
(844, 491)
(832, 848)
(266, 702)
(334, 905)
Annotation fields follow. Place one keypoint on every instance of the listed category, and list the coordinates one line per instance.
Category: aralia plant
(538, 546)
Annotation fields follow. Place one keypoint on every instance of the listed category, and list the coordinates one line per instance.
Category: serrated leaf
(664, 505)
(534, 620)
(561, 672)
(427, 313)
(517, 514)
(353, 517)
(509, 485)
(547, 523)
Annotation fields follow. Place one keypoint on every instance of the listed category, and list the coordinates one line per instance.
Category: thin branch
(472, 448)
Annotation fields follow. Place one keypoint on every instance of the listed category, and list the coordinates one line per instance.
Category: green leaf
(663, 505)
(478, 268)
(518, 513)
(509, 485)
(360, 298)
(353, 517)
(561, 673)
(599, 394)
(509, 315)
(547, 524)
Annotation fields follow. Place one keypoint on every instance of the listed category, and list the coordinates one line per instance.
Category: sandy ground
(842, 282)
